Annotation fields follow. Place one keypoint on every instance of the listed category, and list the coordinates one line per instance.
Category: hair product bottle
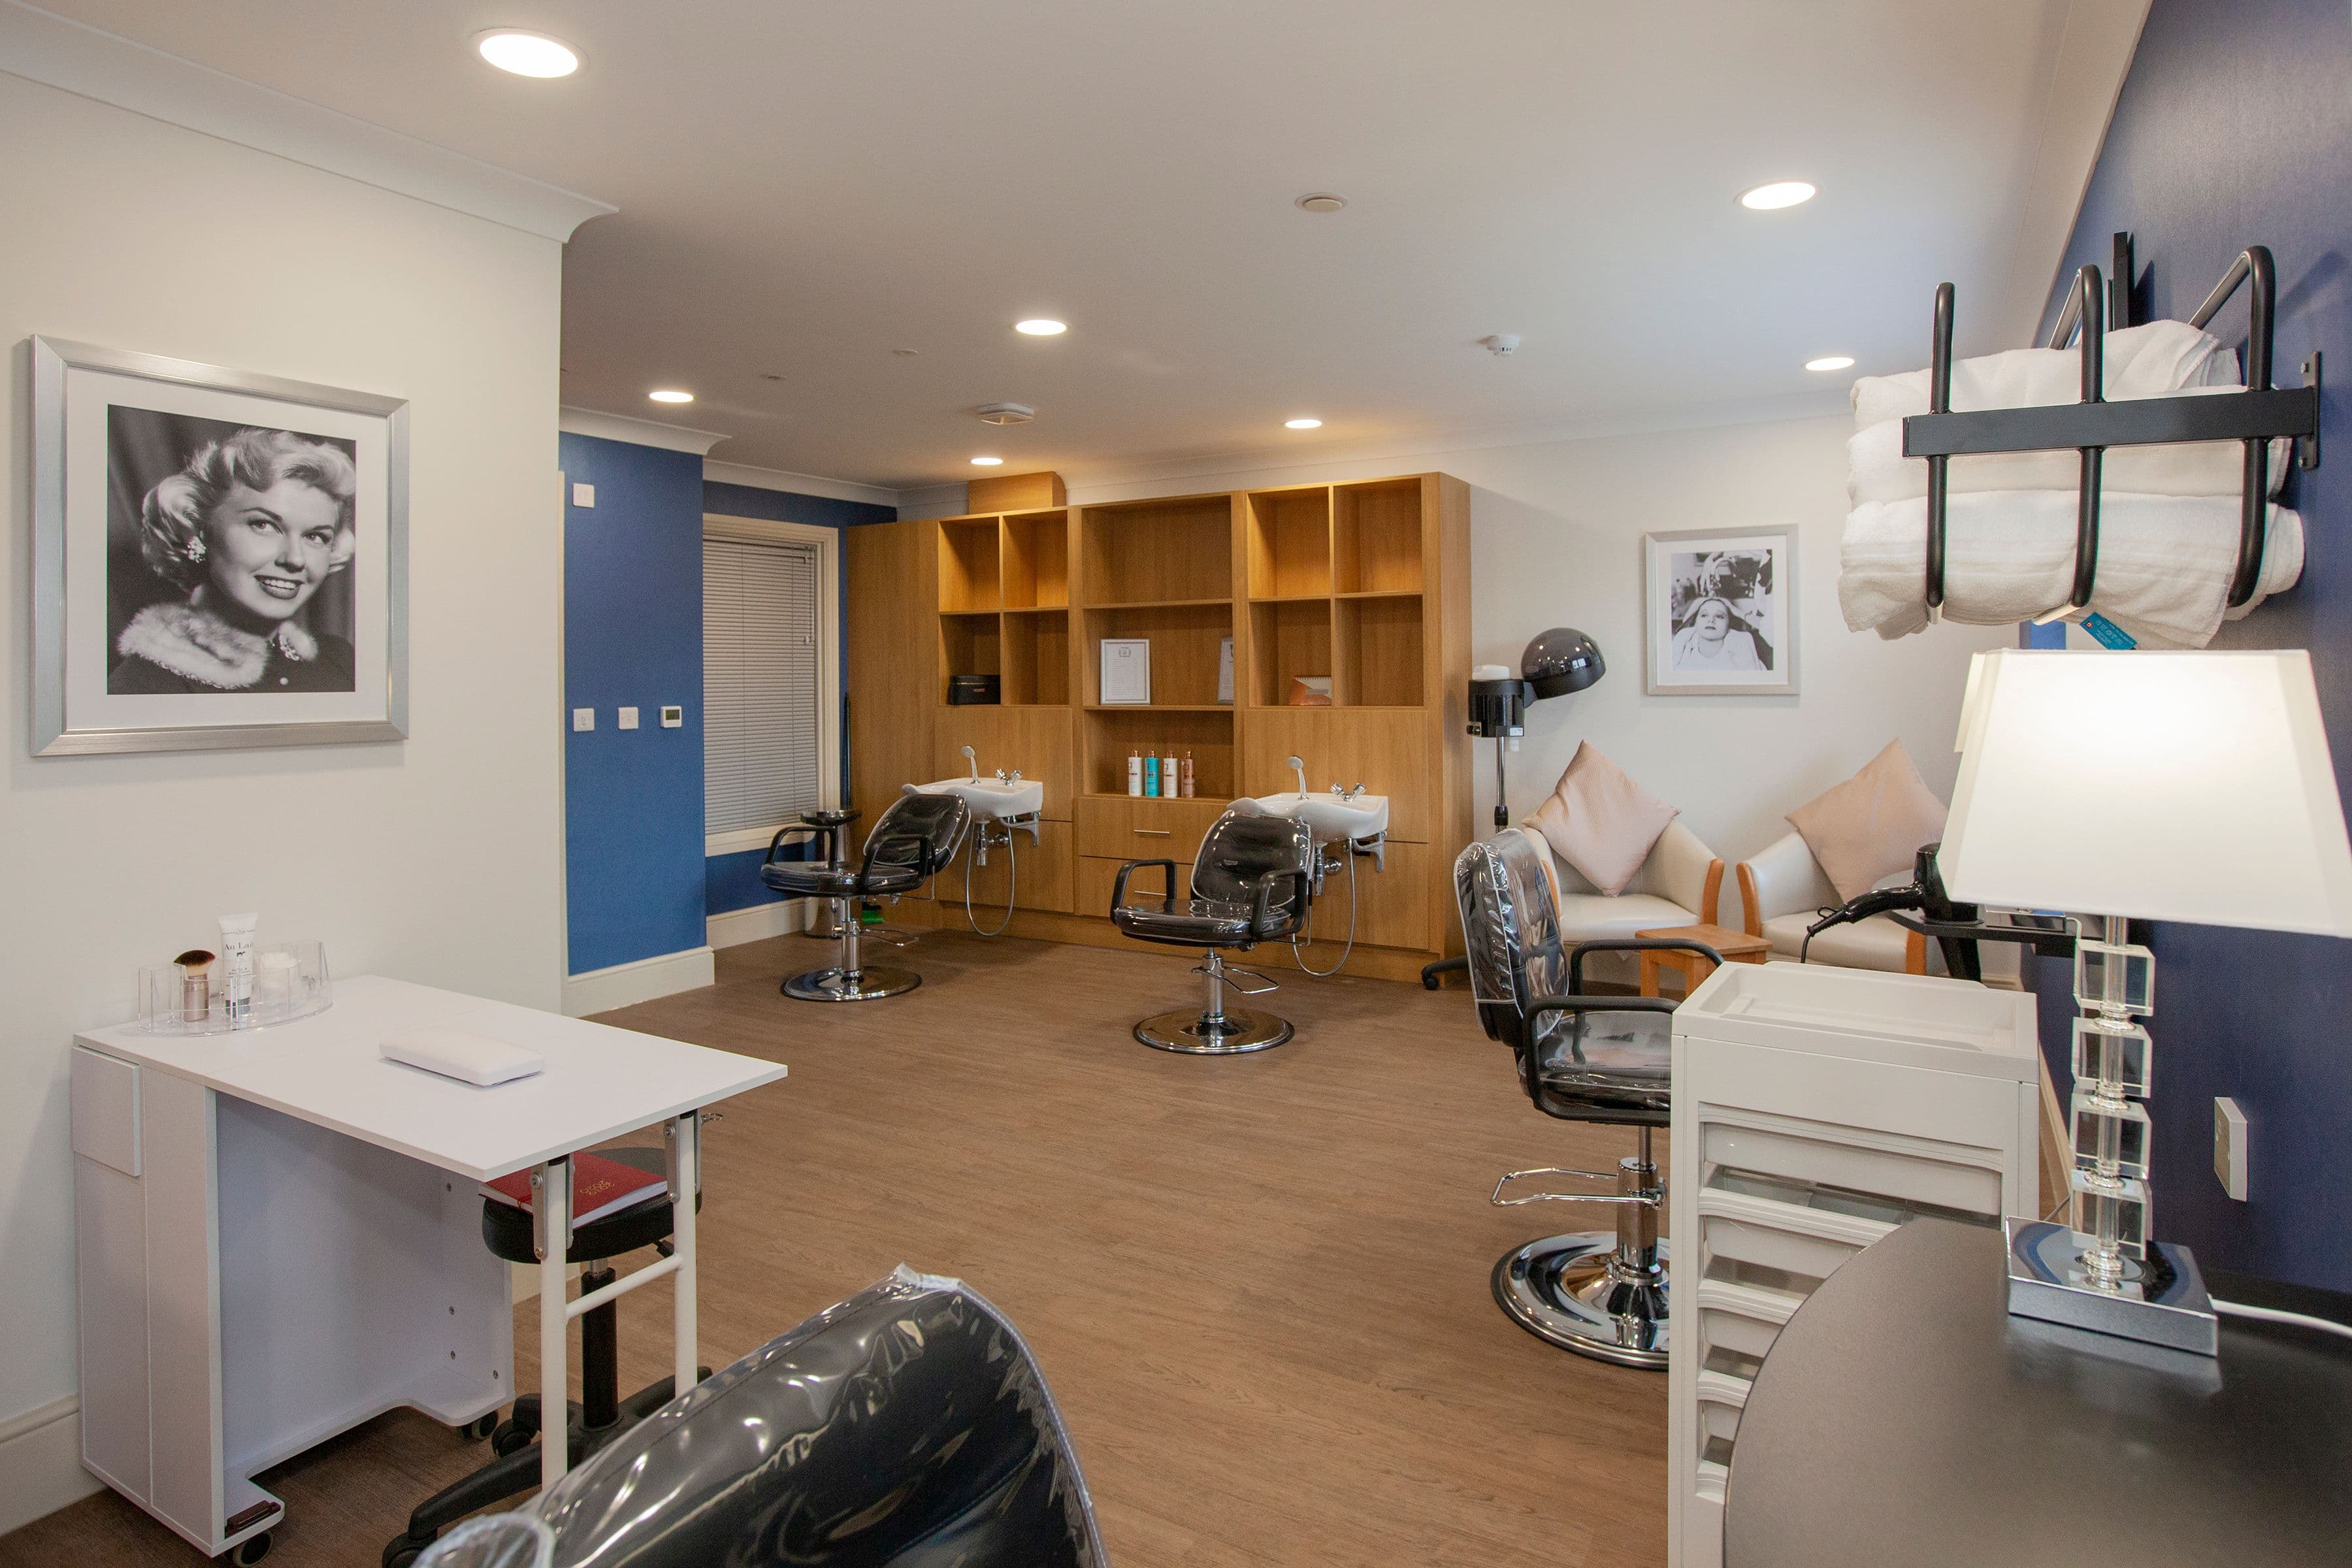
(1134, 772)
(1184, 784)
(1168, 775)
(1151, 777)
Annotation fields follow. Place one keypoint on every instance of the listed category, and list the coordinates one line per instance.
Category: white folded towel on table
(2139, 361)
(2165, 562)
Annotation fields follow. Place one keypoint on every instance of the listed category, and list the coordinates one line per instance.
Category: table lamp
(2171, 786)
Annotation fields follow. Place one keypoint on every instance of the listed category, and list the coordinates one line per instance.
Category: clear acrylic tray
(290, 981)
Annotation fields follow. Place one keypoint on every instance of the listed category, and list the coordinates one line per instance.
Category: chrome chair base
(1231, 1033)
(867, 984)
(1571, 1291)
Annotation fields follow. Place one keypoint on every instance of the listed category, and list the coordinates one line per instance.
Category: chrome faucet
(1298, 768)
(971, 763)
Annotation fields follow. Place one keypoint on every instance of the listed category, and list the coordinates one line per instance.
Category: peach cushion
(1872, 825)
(1600, 822)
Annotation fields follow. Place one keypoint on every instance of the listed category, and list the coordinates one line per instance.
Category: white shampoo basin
(1327, 816)
(993, 797)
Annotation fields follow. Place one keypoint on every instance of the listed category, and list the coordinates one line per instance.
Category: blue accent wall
(632, 636)
(732, 882)
(2234, 128)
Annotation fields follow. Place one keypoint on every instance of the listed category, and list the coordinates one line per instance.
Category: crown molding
(72, 56)
(800, 484)
(636, 432)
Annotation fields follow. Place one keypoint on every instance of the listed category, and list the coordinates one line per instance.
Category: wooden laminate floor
(1258, 1284)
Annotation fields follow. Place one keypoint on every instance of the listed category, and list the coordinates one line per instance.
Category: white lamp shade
(2170, 786)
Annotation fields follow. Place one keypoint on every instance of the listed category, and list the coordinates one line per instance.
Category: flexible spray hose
(1298, 938)
(1011, 883)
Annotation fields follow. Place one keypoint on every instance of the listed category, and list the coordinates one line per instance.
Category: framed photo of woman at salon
(1720, 617)
(219, 557)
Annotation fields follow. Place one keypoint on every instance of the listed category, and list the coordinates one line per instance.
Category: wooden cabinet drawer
(1130, 828)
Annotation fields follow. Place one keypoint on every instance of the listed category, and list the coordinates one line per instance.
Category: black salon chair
(910, 842)
(1250, 883)
(602, 1414)
(908, 1428)
(1583, 1059)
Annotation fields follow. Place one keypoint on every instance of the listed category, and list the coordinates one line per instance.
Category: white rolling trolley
(280, 1237)
(1815, 1110)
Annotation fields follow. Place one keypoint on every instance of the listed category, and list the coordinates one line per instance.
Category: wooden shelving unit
(1363, 584)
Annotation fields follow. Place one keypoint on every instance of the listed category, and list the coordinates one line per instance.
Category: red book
(599, 1188)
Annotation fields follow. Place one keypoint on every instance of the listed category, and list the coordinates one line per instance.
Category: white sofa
(1680, 884)
(1783, 890)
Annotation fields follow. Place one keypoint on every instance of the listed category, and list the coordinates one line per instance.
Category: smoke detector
(1320, 202)
(1005, 413)
(1502, 344)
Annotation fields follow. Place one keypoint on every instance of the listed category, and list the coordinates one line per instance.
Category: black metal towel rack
(2255, 416)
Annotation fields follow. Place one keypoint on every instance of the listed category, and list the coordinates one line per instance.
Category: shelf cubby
(1289, 639)
(1114, 732)
(1289, 544)
(1186, 642)
(968, 566)
(1147, 552)
(1036, 560)
(970, 644)
(1036, 657)
(1376, 537)
(1379, 640)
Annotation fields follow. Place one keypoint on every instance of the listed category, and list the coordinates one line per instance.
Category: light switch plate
(584, 495)
(628, 717)
(672, 716)
(584, 719)
(2230, 1147)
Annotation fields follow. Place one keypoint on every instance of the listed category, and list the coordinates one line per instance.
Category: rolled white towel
(2164, 562)
(2139, 361)
(1876, 470)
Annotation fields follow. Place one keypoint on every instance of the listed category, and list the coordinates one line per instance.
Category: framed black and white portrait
(220, 558)
(1721, 611)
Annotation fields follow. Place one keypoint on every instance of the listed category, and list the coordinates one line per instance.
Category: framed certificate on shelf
(1126, 672)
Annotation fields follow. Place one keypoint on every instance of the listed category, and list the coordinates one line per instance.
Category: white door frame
(827, 542)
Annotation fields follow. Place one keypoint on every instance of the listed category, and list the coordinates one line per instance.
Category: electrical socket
(628, 717)
(2230, 1147)
(584, 719)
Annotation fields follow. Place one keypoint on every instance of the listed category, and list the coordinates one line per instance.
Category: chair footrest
(1648, 1198)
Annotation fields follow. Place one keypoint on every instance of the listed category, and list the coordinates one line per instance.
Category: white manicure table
(280, 1237)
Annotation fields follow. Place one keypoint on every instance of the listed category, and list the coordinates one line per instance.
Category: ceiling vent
(1006, 414)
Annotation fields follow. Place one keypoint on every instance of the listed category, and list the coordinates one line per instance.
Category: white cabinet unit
(1814, 1111)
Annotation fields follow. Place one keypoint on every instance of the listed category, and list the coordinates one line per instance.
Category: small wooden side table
(1737, 946)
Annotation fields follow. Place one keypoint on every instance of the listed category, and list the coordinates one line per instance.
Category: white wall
(1555, 532)
(436, 859)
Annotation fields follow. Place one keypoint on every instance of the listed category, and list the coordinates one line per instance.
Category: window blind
(758, 683)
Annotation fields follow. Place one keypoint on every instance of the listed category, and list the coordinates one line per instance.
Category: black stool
(601, 1414)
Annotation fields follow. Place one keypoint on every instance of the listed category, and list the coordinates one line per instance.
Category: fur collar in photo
(196, 643)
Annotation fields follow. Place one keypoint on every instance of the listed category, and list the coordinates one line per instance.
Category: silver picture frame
(1669, 557)
(53, 360)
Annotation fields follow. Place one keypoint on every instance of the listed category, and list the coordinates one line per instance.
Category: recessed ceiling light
(670, 394)
(986, 462)
(1042, 327)
(1320, 202)
(1830, 362)
(527, 54)
(1778, 194)
(1302, 424)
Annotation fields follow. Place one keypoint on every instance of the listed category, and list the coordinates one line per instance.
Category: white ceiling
(806, 185)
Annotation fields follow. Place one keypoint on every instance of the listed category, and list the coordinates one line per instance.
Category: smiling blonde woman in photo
(247, 530)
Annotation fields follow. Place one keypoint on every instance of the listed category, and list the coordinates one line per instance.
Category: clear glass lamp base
(2158, 1300)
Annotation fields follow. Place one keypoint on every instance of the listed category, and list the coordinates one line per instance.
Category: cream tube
(237, 968)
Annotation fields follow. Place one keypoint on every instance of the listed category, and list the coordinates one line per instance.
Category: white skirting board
(40, 1463)
(781, 918)
(626, 984)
